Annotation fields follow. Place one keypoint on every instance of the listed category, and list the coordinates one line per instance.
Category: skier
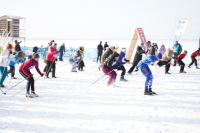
(180, 62)
(74, 59)
(193, 57)
(162, 49)
(166, 59)
(100, 51)
(51, 58)
(81, 63)
(177, 51)
(5, 58)
(119, 64)
(108, 68)
(137, 58)
(24, 70)
(144, 68)
(12, 63)
(62, 50)
(105, 46)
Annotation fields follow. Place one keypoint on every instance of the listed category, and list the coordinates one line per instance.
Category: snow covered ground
(68, 105)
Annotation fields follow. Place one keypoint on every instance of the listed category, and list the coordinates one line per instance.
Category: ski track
(68, 105)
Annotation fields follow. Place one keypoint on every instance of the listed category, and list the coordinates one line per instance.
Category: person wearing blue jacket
(119, 64)
(73, 60)
(144, 68)
(62, 50)
(12, 63)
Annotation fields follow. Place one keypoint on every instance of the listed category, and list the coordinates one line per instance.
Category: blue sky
(104, 19)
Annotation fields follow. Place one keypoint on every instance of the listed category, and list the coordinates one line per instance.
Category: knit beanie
(9, 46)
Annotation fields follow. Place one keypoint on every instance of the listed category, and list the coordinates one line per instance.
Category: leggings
(111, 73)
(144, 68)
(30, 81)
(12, 71)
(194, 60)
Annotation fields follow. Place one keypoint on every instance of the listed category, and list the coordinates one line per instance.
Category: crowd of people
(110, 58)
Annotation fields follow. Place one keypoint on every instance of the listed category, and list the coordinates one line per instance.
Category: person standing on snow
(119, 64)
(108, 68)
(51, 58)
(62, 50)
(180, 62)
(5, 59)
(81, 63)
(144, 68)
(166, 59)
(138, 57)
(177, 51)
(12, 63)
(162, 49)
(105, 46)
(17, 46)
(193, 57)
(153, 49)
(24, 70)
(99, 51)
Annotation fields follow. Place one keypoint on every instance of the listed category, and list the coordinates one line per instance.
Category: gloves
(42, 75)
(30, 75)
(56, 59)
(127, 60)
(124, 63)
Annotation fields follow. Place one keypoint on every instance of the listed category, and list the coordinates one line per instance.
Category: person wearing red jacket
(51, 58)
(194, 60)
(181, 63)
(24, 70)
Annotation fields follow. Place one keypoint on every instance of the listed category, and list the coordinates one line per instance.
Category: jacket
(138, 55)
(62, 49)
(182, 56)
(4, 60)
(12, 63)
(105, 46)
(106, 55)
(196, 53)
(177, 49)
(51, 54)
(17, 48)
(99, 48)
(168, 55)
(121, 59)
(109, 62)
(153, 50)
(25, 67)
(74, 58)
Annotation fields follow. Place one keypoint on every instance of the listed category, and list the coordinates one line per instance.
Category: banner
(180, 25)
(143, 39)
(89, 53)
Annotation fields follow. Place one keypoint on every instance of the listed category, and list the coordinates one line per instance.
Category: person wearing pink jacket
(51, 58)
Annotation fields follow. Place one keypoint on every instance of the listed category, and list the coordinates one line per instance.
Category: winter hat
(9, 46)
(34, 56)
(185, 52)
(123, 49)
(112, 48)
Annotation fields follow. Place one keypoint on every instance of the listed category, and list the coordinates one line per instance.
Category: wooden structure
(11, 27)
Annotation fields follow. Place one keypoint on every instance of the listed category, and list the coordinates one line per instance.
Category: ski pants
(51, 65)
(12, 71)
(99, 56)
(81, 65)
(121, 67)
(144, 68)
(175, 57)
(182, 64)
(30, 81)
(61, 56)
(194, 60)
(74, 65)
(111, 73)
(3, 72)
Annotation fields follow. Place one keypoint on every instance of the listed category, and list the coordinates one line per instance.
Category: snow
(68, 105)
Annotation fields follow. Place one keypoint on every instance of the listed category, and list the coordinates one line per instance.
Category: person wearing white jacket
(5, 58)
(162, 49)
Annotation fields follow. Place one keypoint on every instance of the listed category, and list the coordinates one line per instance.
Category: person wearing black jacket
(153, 49)
(100, 51)
(137, 58)
(17, 47)
(105, 46)
(108, 68)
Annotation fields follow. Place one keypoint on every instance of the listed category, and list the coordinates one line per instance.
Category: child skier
(193, 57)
(180, 62)
(74, 59)
(144, 68)
(108, 68)
(5, 58)
(24, 70)
(12, 63)
(119, 64)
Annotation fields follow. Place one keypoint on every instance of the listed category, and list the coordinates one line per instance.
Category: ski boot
(122, 79)
(54, 77)
(150, 90)
(189, 66)
(28, 95)
(146, 92)
(167, 73)
(197, 67)
(34, 94)
(1, 85)
(13, 78)
(182, 72)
